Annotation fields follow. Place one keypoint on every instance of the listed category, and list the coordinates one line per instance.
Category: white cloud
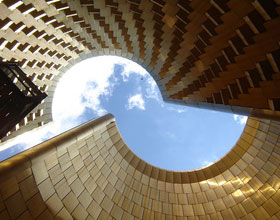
(240, 119)
(80, 88)
(211, 159)
(152, 91)
(32, 137)
(72, 98)
(95, 77)
(136, 101)
(206, 163)
(130, 67)
(181, 110)
(178, 110)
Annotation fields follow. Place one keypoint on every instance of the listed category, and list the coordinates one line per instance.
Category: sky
(169, 136)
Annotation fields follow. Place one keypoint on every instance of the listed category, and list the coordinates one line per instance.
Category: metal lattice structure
(18, 96)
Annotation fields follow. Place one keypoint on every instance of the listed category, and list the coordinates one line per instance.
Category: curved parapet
(90, 173)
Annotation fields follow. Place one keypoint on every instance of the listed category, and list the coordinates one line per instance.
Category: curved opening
(169, 136)
(224, 169)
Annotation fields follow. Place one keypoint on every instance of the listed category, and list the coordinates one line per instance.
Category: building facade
(90, 173)
(222, 55)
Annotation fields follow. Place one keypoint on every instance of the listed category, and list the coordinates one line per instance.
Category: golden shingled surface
(90, 173)
(214, 54)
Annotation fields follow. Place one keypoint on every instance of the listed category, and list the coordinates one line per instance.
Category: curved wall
(90, 173)
(218, 54)
(215, 54)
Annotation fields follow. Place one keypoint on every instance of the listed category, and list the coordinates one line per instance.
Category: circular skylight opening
(169, 136)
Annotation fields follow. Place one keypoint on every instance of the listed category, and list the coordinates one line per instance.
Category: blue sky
(166, 135)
